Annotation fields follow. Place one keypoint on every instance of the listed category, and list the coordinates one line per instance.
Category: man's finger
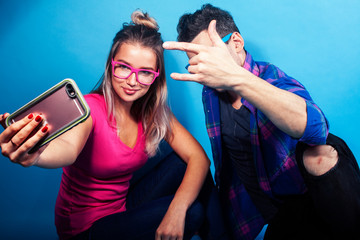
(214, 36)
(184, 77)
(183, 46)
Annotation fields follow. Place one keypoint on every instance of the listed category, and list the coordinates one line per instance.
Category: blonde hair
(140, 18)
(152, 109)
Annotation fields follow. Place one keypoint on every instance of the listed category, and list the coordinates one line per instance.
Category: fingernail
(38, 118)
(30, 116)
(44, 129)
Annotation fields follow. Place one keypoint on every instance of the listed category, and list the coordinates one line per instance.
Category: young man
(275, 161)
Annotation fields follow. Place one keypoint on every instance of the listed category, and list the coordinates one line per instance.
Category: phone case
(63, 107)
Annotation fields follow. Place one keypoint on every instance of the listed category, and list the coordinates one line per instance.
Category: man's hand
(212, 66)
(219, 66)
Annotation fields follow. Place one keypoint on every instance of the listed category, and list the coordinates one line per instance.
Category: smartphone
(62, 106)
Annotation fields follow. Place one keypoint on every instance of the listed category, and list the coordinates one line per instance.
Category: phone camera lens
(70, 90)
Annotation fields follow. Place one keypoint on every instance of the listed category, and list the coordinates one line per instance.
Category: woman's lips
(130, 91)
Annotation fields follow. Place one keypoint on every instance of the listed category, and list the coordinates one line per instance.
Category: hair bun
(140, 18)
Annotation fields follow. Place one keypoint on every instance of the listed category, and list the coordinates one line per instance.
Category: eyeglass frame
(224, 39)
(134, 70)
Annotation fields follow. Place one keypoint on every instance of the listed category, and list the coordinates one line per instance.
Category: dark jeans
(213, 227)
(331, 207)
(148, 200)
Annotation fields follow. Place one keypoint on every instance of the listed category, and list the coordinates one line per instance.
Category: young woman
(129, 118)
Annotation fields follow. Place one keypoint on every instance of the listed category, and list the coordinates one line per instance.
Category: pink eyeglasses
(143, 76)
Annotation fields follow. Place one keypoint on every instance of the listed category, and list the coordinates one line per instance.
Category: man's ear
(238, 42)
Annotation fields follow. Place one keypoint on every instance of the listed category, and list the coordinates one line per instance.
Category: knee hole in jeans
(318, 160)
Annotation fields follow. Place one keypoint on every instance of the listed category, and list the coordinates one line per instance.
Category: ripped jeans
(331, 207)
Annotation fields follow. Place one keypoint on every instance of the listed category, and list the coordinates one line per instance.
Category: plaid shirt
(274, 151)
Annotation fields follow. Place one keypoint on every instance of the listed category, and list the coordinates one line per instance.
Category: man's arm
(214, 66)
(285, 109)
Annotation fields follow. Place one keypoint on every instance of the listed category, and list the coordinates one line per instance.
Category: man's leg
(295, 220)
(214, 227)
(332, 176)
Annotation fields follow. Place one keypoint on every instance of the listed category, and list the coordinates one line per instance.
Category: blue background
(43, 42)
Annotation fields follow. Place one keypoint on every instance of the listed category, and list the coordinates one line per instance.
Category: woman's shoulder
(95, 100)
(94, 97)
(96, 103)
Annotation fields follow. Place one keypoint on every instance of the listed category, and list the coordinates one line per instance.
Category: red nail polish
(44, 129)
(38, 118)
(30, 116)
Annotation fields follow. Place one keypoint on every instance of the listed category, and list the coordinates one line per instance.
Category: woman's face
(137, 56)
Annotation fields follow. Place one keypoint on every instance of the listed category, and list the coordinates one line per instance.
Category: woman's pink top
(96, 185)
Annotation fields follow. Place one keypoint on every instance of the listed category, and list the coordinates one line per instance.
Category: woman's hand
(3, 118)
(190, 151)
(173, 224)
(15, 142)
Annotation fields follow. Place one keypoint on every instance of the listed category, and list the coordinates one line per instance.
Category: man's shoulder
(275, 76)
(269, 70)
(262, 69)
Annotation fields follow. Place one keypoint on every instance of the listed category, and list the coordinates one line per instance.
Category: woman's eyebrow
(123, 61)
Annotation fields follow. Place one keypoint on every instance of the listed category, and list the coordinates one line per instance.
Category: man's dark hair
(190, 25)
